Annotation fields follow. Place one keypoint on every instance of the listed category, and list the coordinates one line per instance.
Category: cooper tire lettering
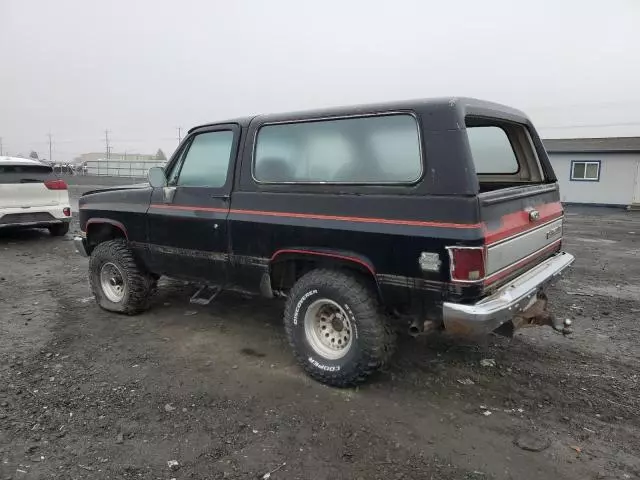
(326, 368)
(299, 305)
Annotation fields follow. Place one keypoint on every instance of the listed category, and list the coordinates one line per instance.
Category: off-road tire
(139, 285)
(59, 229)
(373, 338)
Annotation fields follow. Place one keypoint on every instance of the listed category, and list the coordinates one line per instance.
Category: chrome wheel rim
(328, 329)
(112, 282)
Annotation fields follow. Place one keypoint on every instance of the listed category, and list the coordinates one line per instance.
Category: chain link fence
(118, 168)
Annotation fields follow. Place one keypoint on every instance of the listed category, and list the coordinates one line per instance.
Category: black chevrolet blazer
(423, 215)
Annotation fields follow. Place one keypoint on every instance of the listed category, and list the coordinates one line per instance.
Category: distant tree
(33, 155)
(160, 155)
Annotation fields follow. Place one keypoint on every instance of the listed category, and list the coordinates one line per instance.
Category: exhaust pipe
(416, 328)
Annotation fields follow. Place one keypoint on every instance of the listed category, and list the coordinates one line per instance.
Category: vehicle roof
(449, 106)
(20, 161)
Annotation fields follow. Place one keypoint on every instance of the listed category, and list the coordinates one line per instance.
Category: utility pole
(0, 145)
(50, 144)
(106, 143)
(179, 135)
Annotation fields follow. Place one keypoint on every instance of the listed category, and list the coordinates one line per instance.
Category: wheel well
(285, 273)
(102, 232)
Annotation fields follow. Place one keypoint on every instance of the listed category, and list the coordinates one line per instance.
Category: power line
(587, 125)
(564, 106)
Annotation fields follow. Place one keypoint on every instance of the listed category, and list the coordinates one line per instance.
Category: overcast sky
(141, 68)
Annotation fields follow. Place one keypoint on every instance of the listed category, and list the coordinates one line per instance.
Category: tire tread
(377, 338)
(141, 284)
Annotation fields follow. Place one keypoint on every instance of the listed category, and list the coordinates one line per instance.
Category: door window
(206, 162)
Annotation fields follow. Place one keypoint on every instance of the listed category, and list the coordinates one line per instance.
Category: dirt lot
(88, 394)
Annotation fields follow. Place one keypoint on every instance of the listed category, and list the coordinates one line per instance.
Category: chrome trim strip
(510, 251)
(410, 282)
(523, 259)
(519, 234)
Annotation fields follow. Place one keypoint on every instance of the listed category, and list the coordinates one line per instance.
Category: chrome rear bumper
(515, 297)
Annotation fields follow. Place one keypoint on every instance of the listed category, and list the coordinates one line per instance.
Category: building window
(585, 171)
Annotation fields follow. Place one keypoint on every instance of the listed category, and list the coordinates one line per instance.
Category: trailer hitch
(538, 315)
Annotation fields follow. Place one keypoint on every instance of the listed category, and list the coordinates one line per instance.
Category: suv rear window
(376, 149)
(503, 154)
(25, 173)
(491, 150)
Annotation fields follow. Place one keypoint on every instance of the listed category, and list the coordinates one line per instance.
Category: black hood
(134, 186)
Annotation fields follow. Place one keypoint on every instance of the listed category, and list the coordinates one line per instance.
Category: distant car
(64, 168)
(32, 196)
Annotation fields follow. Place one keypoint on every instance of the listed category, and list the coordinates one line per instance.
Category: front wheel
(336, 328)
(117, 281)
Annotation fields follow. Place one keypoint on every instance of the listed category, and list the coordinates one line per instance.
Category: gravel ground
(87, 394)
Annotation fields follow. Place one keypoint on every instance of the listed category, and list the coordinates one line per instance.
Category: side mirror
(157, 177)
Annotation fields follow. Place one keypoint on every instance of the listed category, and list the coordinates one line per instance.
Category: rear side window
(380, 149)
(25, 173)
(492, 151)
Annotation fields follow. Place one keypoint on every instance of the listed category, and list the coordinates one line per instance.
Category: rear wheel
(59, 229)
(336, 328)
(118, 283)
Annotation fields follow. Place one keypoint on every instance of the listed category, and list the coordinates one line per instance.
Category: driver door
(187, 226)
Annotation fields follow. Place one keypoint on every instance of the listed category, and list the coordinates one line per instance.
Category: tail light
(66, 211)
(467, 263)
(56, 184)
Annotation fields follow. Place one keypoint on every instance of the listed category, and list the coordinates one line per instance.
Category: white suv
(32, 196)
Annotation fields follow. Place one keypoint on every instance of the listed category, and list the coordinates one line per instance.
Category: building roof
(593, 145)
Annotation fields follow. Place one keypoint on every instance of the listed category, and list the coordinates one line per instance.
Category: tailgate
(519, 202)
(23, 186)
(523, 226)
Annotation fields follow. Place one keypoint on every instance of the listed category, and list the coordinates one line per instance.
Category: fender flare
(340, 256)
(109, 221)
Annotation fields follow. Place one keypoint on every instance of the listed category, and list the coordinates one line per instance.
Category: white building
(597, 171)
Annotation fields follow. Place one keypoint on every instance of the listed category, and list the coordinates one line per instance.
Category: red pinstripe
(518, 222)
(414, 223)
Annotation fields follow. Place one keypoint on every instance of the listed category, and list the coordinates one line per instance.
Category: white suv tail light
(56, 184)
